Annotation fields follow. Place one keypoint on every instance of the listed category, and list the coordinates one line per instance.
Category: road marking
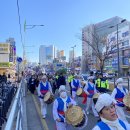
(44, 124)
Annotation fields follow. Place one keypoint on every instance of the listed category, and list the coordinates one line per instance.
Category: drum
(48, 98)
(126, 101)
(95, 97)
(79, 92)
(83, 83)
(76, 117)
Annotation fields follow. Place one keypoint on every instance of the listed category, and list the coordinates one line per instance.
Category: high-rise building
(12, 55)
(103, 29)
(47, 54)
(72, 55)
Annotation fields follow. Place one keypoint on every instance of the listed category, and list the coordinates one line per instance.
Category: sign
(63, 57)
(4, 48)
(19, 59)
(59, 65)
(4, 65)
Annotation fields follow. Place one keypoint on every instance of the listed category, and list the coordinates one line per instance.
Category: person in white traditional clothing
(90, 90)
(61, 104)
(105, 106)
(118, 94)
(75, 84)
(43, 87)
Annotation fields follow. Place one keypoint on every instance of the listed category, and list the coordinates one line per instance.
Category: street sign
(59, 65)
(19, 59)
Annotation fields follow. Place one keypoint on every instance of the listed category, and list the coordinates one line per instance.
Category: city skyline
(62, 20)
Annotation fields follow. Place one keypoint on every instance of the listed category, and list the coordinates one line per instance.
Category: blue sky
(63, 20)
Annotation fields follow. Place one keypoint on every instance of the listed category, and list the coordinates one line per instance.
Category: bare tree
(101, 47)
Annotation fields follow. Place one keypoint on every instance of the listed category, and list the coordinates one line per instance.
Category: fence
(7, 92)
(126, 83)
(15, 120)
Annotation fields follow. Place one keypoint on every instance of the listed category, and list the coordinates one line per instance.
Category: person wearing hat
(43, 87)
(118, 94)
(90, 90)
(102, 84)
(75, 84)
(70, 78)
(105, 107)
(60, 106)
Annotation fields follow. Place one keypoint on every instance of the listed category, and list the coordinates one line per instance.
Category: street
(34, 118)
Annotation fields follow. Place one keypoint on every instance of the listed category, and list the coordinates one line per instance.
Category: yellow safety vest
(102, 84)
(57, 77)
(70, 78)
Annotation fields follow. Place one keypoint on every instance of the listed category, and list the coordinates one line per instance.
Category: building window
(113, 39)
(125, 34)
(125, 43)
(125, 61)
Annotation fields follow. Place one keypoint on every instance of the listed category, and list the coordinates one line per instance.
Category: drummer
(61, 104)
(43, 87)
(90, 90)
(118, 94)
(109, 121)
(75, 84)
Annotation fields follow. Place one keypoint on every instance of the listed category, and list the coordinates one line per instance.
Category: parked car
(105, 75)
(111, 75)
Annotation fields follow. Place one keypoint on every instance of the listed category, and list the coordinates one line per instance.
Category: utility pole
(118, 49)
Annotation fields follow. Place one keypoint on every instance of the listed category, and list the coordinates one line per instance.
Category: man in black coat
(61, 80)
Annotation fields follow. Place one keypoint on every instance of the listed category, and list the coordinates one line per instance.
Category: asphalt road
(35, 120)
(51, 123)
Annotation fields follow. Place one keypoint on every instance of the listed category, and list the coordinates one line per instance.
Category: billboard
(4, 48)
(4, 65)
(4, 58)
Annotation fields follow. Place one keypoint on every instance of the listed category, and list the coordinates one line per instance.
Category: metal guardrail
(126, 82)
(16, 113)
(7, 92)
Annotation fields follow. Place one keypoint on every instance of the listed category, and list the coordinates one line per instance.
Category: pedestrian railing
(126, 82)
(15, 119)
(7, 92)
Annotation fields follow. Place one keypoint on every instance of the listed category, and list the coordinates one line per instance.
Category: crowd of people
(108, 106)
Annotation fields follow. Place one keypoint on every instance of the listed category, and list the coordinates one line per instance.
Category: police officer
(70, 79)
(102, 84)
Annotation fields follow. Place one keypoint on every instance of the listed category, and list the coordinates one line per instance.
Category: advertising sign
(4, 48)
(4, 65)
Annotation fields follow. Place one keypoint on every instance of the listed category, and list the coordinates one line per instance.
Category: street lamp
(32, 26)
(28, 27)
(73, 56)
(118, 54)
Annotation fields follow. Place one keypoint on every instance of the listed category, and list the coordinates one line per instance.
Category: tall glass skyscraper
(47, 54)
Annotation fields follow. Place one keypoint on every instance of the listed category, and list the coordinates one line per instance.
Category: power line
(20, 23)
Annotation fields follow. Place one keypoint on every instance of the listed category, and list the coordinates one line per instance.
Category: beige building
(102, 29)
(8, 57)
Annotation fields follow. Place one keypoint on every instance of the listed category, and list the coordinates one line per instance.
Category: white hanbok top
(113, 125)
(44, 83)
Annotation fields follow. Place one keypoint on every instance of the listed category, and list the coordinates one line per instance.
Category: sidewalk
(33, 119)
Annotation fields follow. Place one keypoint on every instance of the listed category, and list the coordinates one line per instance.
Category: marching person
(118, 94)
(43, 87)
(105, 106)
(32, 84)
(90, 90)
(75, 84)
(70, 78)
(61, 104)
